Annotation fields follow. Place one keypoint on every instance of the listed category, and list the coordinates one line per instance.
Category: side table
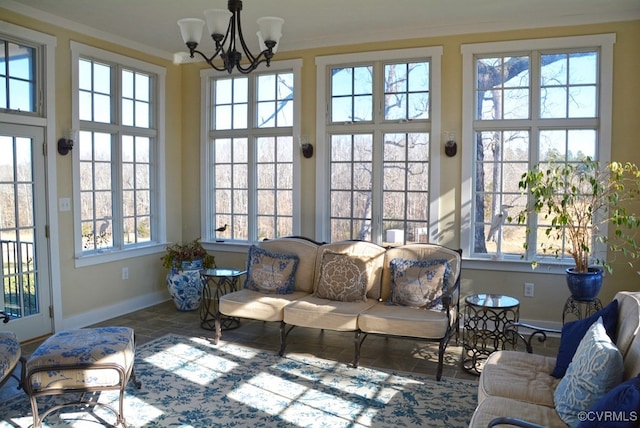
(222, 281)
(580, 308)
(485, 318)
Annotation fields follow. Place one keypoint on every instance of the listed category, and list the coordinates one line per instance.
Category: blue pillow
(621, 403)
(595, 370)
(270, 272)
(419, 283)
(573, 332)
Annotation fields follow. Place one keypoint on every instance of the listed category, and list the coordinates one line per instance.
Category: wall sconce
(450, 146)
(65, 143)
(305, 146)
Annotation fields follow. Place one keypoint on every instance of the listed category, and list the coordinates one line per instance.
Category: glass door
(23, 248)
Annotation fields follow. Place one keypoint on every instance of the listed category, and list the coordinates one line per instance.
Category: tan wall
(89, 288)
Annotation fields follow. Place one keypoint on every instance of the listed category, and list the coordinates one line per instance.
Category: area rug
(190, 382)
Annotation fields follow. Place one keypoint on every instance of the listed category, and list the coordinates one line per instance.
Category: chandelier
(224, 26)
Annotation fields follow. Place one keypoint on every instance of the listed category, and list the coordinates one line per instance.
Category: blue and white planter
(185, 285)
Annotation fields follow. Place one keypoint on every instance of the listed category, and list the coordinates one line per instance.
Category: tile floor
(387, 353)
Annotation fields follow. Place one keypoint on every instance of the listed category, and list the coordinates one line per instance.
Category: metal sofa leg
(358, 346)
(283, 338)
(441, 348)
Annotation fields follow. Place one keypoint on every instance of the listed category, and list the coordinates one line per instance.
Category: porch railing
(18, 279)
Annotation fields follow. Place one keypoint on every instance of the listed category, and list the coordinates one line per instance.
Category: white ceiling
(150, 25)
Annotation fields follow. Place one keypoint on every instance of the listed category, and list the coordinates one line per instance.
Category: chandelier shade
(225, 29)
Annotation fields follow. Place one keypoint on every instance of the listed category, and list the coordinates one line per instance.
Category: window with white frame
(525, 103)
(378, 153)
(19, 85)
(117, 105)
(251, 154)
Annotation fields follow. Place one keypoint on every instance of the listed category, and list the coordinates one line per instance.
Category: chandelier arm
(253, 65)
(252, 59)
(209, 60)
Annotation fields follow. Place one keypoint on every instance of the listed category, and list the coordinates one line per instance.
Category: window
(527, 102)
(376, 151)
(116, 180)
(18, 84)
(252, 154)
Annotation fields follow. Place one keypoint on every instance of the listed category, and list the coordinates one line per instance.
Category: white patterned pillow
(595, 369)
(270, 272)
(419, 283)
(343, 277)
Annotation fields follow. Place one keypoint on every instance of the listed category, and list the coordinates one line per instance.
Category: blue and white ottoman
(80, 361)
(10, 356)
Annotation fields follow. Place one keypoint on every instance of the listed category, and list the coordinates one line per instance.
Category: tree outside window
(534, 106)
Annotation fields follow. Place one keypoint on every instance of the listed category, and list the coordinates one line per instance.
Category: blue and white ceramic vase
(185, 285)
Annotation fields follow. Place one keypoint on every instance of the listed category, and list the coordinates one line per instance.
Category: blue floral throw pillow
(269, 272)
(596, 369)
(419, 283)
(572, 333)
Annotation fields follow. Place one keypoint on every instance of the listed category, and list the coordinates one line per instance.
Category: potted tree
(584, 204)
(185, 263)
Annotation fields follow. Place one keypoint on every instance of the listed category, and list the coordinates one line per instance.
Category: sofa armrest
(449, 294)
(513, 422)
(540, 333)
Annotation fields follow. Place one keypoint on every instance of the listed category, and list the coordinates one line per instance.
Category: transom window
(375, 173)
(252, 167)
(18, 84)
(116, 180)
(535, 102)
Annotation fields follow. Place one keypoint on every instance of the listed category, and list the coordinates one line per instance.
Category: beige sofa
(321, 267)
(519, 384)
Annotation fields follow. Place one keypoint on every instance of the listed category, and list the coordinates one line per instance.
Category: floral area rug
(190, 382)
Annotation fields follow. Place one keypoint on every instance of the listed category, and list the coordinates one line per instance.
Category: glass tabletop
(223, 272)
(492, 300)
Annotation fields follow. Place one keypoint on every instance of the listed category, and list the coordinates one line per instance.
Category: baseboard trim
(107, 312)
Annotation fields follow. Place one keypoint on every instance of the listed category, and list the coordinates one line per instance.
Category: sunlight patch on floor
(293, 402)
(187, 361)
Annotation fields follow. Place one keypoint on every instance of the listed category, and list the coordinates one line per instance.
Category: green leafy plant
(576, 201)
(178, 253)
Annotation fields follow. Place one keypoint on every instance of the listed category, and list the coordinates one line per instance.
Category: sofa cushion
(595, 369)
(418, 283)
(622, 402)
(520, 376)
(256, 305)
(343, 277)
(406, 321)
(269, 272)
(495, 407)
(573, 332)
(312, 311)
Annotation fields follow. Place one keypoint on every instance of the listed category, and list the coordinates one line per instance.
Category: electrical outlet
(64, 204)
(125, 273)
(528, 289)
